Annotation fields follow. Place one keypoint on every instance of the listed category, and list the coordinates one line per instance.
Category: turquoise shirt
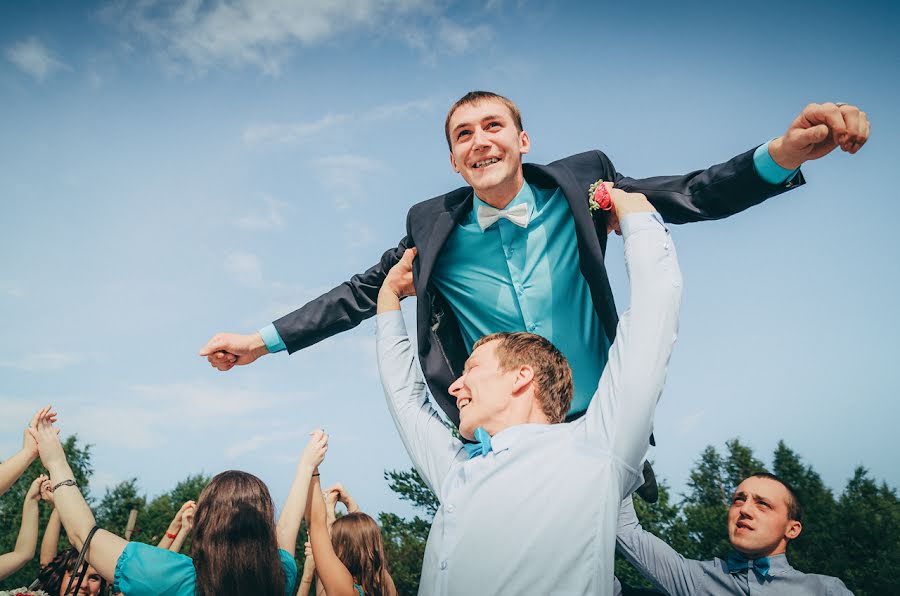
(529, 280)
(526, 279)
(147, 570)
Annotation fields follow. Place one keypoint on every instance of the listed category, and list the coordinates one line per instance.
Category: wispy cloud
(257, 33)
(244, 268)
(344, 176)
(258, 441)
(292, 132)
(13, 289)
(34, 58)
(267, 218)
(459, 39)
(43, 361)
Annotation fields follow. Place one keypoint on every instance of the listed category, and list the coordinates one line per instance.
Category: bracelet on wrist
(171, 536)
(69, 482)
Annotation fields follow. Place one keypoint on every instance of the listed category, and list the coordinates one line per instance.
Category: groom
(519, 249)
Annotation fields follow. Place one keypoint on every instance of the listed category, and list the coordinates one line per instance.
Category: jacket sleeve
(341, 308)
(716, 192)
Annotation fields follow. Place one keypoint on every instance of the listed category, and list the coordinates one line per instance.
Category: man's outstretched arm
(752, 177)
(429, 442)
(653, 558)
(340, 309)
(620, 416)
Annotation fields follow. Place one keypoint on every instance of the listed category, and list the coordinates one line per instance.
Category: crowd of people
(532, 401)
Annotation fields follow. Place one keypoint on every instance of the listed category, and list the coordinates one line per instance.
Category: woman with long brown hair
(237, 547)
(350, 562)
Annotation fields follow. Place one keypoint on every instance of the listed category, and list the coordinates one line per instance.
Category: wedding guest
(237, 547)
(54, 577)
(351, 561)
(26, 542)
(764, 516)
(50, 541)
(308, 575)
(504, 525)
(14, 466)
(175, 528)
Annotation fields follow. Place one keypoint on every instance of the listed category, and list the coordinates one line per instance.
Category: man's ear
(453, 163)
(793, 529)
(524, 142)
(524, 377)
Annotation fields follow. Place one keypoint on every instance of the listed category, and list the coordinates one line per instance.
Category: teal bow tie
(483, 445)
(737, 562)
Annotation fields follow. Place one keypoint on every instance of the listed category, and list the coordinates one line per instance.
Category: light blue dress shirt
(675, 575)
(523, 491)
(144, 570)
(507, 278)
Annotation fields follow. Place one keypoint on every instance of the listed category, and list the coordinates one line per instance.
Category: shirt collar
(525, 195)
(508, 437)
(779, 564)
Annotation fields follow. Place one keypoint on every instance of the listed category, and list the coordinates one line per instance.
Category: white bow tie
(488, 215)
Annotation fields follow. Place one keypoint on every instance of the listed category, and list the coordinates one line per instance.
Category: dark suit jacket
(720, 191)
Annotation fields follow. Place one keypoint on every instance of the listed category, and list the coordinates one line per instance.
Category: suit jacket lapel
(457, 204)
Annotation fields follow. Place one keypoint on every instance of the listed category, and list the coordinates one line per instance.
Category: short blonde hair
(473, 97)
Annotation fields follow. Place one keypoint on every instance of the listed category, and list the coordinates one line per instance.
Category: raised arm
(340, 309)
(174, 527)
(187, 524)
(653, 558)
(295, 505)
(76, 516)
(621, 414)
(26, 543)
(14, 466)
(333, 574)
(429, 442)
(50, 541)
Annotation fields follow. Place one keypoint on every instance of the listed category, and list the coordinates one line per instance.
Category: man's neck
(501, 196)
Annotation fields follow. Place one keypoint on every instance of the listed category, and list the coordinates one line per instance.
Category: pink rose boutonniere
(598, 197)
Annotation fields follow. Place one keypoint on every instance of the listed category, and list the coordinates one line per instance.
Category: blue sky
(170, 170)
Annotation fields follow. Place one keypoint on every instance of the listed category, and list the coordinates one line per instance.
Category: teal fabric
(767, 169)
(272, 339)
(145, 570)
(359, 589)
(526, 279)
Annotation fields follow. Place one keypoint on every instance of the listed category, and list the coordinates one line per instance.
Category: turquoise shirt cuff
(390, 324)
(635, 222)
(272, 339)
(767, 169)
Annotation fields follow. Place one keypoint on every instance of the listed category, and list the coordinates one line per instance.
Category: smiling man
(504, 524)
(519, 248)
(765, 515)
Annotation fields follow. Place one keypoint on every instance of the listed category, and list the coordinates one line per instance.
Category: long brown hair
(358, 544)
(234, 538)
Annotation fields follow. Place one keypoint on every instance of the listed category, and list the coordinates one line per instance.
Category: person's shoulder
(591, 158)
(441, 203)
(826, 584)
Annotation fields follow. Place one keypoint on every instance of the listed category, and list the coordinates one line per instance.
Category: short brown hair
(473, 97)
(552, 374)
(795, 509)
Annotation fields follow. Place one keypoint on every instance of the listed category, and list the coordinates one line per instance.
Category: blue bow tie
(482, 447)
(737, 562)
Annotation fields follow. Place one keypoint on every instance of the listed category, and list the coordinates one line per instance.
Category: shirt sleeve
(147, 570)
(429, 442)
(290, 571)
(272, 339)
(620, 416)
(653, 558)
(768, 169)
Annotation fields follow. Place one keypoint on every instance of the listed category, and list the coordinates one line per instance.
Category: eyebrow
(464, 124)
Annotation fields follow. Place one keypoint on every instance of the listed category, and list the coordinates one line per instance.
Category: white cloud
(245, 268)
(12, 288)
(34, 58)
(256, 442)
(43, 361)
(292, 132)
(256, 33)
(459, 39)
(344, 176)
(268, 217)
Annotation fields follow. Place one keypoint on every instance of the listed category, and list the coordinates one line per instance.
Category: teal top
(146, 570)
(359, 589)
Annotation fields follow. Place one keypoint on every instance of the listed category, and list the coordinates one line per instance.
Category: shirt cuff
(390, 324)
(272, 339)
(635, 222)
(768, 169)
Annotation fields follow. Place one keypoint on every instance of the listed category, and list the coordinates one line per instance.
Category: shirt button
(450, 508)
(519, 288)
(443, 564)
(532, 327)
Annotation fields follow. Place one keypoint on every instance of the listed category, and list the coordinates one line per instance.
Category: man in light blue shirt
(764, 516)
(503, 525)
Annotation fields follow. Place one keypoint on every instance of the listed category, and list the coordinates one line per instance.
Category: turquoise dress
(146, 570)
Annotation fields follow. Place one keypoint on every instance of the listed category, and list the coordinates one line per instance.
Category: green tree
(79, 457)
(404, 540)
(704, 507)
